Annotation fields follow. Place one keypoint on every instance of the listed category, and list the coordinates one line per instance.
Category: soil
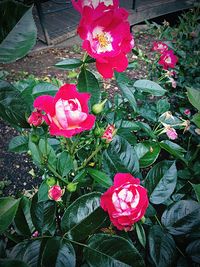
(17, 170)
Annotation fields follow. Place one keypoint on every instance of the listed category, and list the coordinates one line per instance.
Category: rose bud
(35, 118)
(98, 108)
(55, 193)
(109, 133)
(71, 187)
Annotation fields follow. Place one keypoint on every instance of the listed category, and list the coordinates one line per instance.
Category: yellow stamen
(103, 40)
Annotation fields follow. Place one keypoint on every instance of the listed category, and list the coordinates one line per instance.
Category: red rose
(105, 31)
(126, 201)
(67, 112)
(55, 193)
(35, 118)
(168, 59)
(159, 47)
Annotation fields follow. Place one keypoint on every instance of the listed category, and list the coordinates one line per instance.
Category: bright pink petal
(123, 178)
(45, 103)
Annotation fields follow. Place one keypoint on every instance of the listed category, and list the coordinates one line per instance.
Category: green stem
(85, 56)
(56, 173)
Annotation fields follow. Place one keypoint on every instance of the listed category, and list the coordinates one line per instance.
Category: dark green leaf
(83, 217)
(44, 88)
(35, 153)
(115, 251)
(58, 252)
(48, 152)
(147, 153)
(162, 248)
(197, 191)
(12, 263)
(173, 148)
(182, 218)
(8, 209)
(140, 234)
(18, 144)
(43, 192)
(120, 157)
(69, 64)
(100, 177)
(196, 119)
(193, 250)
(161, 181)
(150, 87)
(64, 163)
(126, 89)
(194, 97)
(18, 35)
(162, 106)
(87, 82)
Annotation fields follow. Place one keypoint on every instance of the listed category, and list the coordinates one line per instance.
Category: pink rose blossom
(168, 59)
(171, 133)
(106, 36)
(80, 4)
(55, 193)
(187, 112)
(126, 201)
(159, 47)
(67, 113)
(35, 118)
(108, 134)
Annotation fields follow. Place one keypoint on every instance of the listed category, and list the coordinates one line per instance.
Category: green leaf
(150, 87)
(18, 144)
(48, 152)
(196, 188)
(87, 82)
(28, 252)
(162, 248)
(43, 215)
(12, 263)
(44, 88)
(126, 89)
(34, 152)
(8, 209)
(140, 234)
(182, 218)
(196, 119)
(64, 163)
(194, 97)
(18, 35)
(193, 249)
(120, 157)
(43, 192)
(69, 64)
(100, 177)
(162, 105)
(161, 181)
(58, 252)
(109, 250)
(79, 225)
(173, 148)
(147, 153)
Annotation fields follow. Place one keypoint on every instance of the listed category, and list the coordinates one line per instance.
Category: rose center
(168, 60)
(103, 40)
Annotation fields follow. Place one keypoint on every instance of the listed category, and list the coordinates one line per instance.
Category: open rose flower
(105, 31)
(67, 113)
(55, 193)
(159, 47)
(35, 118)
(168, 59)
(126, 201)
(109, 133)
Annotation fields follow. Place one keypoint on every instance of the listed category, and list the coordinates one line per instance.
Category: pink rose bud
(187, 112)
(159, 47)
(35, 118)
(35, 234)
(109, 133)
(126, 201)
(55, 193)
(171, 133)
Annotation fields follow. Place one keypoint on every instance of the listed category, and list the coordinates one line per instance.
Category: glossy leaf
(194, 97)
(161, 181)
(18, 35)
(83, 217)
(43, 192)
(162, 106)
(182, 218)
(48, 152)
(120, 157)
(87, 82)
(8, 209)
(44, 88)
(35, 153)
(196, 119)
(126, 89)
(173, 148)
(140, 234)
(197, 191)
(150, 87)
(162, 248)
(69, 64)
(193, 250)
(147, 153)
(64, 163)
(19, 144)
(111, 250)
(58, 252)
(100, 177)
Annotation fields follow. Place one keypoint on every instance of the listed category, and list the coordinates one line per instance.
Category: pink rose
(35, 118)
(159, 47)
(171, 133)
(187, 112)
(108, 134)
(80, 4)
(67, 113)
(168, 59)
(106, 36)
(55, 193)
(126, 201)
